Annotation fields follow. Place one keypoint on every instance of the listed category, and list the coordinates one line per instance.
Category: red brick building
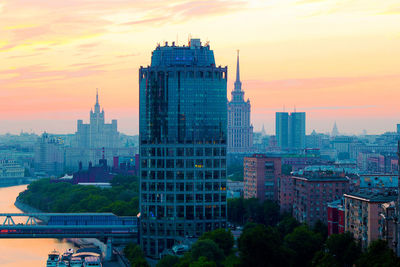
(336, 217)
(286, 192)
(313, 191)
(261, 177)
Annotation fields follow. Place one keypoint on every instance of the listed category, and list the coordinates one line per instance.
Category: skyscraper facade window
(240, 130)
(282, 129)
(183, 122)
(290, 130)
(297, 130)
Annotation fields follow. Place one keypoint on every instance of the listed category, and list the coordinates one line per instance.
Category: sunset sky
(336, 60)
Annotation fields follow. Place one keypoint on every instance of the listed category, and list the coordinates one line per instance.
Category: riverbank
(8, 182)
(25, 208)
(77, 242)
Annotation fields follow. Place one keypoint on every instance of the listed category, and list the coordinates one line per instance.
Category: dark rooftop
(373, 197)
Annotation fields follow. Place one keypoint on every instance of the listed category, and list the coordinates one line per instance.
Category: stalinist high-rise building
(240, 130)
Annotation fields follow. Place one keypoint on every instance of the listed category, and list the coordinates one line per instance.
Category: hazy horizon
(335, 60)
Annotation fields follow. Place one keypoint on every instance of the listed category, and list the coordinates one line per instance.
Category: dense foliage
(235, 171)
(135, 256)
(122, 198)
(242, 210)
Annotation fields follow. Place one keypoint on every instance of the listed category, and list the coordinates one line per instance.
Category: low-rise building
(387, 224)
(234, 189)
(286, 192)
(362, 217)
(11, 169)
(336, 217)
(313, 191)
(261, 177)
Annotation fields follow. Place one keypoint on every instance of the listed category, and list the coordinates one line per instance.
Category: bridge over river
(104, 226)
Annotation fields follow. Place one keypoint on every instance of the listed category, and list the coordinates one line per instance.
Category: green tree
(271, 213)
(207, 248)
(378, 254)
(287, 225)
(236, 211)
(340, 250)
(258, 243)
(320, 227)
(203, 262)
(135, 256)
(303, 244)
(223, 238)
(168, 261)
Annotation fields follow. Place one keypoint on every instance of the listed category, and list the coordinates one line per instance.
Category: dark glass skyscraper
(183, 122)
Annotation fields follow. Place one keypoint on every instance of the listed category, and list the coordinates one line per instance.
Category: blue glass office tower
(282, 129)
(290, 130)
(182, 124)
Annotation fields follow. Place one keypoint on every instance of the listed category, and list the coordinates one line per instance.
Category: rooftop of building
(321, 175)
(376, 197)
(264, 156)
(194, 54)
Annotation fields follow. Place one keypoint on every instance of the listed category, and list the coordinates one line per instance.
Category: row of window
(186, 74)
(188, 186)
(209, 212)
(182, 163)
(181, 152)
(183, 175)
(182, 198)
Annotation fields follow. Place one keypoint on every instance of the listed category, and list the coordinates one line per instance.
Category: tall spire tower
(240, 130)
(97, 105)
(238, 83)
(237, 93)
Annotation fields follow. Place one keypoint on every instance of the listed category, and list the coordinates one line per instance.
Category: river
(24, 252)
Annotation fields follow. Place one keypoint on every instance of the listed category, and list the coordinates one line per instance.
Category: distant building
(362, 215)
(313, 191)
(290, 130)
(97, 133)
(335, 131)
(234, 189)
(378, 182)
(261, 177)
(95, 140)
(49, 155)
(387, 224)
(301, 161)
(398, 128)
(297, 130)
(240, 130)
(371, 162)
(11, 169)
(100, 173)
(282, 129)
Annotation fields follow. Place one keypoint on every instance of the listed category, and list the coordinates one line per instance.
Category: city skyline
(346, 74)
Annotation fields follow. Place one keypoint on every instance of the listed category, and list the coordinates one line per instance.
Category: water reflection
(24, 252)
